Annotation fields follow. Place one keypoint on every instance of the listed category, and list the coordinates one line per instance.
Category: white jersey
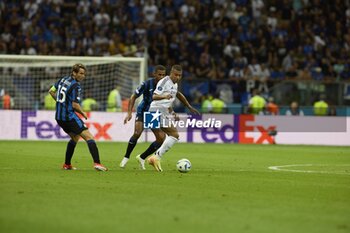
(164, 87)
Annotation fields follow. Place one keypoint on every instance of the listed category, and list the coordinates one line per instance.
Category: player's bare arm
(183, 100)
(176, 117)
(130, 107)
(161, 97)
(77, 108)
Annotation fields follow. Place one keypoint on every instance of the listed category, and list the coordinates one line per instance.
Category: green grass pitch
(229, 189)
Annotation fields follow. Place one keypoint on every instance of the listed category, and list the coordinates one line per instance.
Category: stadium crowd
(218, 39)
(225, 40)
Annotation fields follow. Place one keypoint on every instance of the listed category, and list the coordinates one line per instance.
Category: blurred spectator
(89, 104)
(102, 19)
(225, 93)
(292, 72)
(222, 71)
(7, 100)
(257, 7)
(240, 60)
(271, 107)
(85, 6)
(321, 107)
(130, 48)
(150, 10)
(236, 74)
(31, 7)
(29, 49)
(205, 69)
(231, 47)
(287, 61)
(187, 8)
(272, 18)
(256, 103)
(116, 46)
(218, 105)
(114, 100)
(6, 35)
(254, 70)
(264, 74)
(294, 110)
(206, 106)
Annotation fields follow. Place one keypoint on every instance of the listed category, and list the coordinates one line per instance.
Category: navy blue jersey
(146, 89)
(68, 91)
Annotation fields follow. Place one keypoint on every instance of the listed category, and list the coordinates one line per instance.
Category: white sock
(167, 144)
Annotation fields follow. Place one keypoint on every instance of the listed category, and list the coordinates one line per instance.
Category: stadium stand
(291, 49)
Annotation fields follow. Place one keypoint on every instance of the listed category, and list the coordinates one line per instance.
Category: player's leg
(160, 136)
(170, 140)
(70, 151)
(89, 138)
(78, 127)
(67, 127)
(133, 140)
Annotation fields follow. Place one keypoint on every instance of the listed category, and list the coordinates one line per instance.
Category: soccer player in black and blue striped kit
(146, 89)
(67, 93)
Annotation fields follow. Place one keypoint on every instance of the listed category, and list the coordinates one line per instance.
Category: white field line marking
(285, 168)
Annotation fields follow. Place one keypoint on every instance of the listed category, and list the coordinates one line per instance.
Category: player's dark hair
(176, 67)
(77, 67)
(159, 67)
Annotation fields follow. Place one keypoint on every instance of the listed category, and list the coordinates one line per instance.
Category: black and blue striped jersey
(68, 91)
(146, 89)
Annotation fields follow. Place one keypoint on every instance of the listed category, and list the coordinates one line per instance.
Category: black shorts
(75, 126)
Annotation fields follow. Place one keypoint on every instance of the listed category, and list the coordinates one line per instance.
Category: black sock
(93, 151)
(131, 145)
(69, 151)
(150, 150)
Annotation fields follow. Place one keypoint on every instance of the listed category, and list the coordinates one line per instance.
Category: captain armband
(53, 88)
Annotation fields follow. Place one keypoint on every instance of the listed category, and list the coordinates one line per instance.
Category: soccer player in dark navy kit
(146, 89)
(67, 93)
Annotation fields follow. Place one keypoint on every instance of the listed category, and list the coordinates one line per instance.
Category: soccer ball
(183, 165)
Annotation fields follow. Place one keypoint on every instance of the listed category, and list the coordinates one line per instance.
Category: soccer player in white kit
(163, 98)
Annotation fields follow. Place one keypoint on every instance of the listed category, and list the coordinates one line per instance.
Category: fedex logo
(101, 129)
(226, 133)
(244, 128)
(43, 129)
(235, 132)
(47, 129)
